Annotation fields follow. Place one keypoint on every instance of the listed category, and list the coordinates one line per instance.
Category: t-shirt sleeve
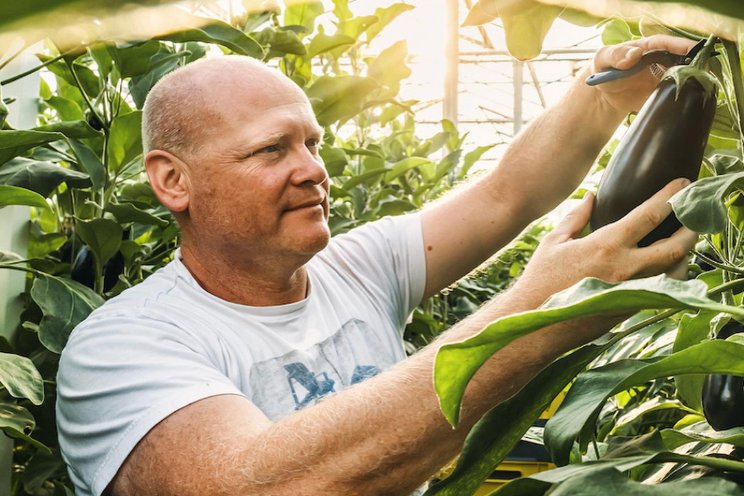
(387, 255)
(118, 377)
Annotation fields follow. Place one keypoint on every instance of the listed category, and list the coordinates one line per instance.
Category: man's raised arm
(544, 164)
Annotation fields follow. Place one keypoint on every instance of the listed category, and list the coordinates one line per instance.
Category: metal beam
(452, 58)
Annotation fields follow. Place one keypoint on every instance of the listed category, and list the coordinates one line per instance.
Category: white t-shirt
(166, 343)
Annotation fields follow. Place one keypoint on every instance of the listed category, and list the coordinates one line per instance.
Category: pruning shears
(652, 59)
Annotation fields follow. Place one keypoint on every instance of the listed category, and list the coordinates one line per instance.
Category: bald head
(190, 103)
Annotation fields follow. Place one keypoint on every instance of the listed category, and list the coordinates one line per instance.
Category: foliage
(634, 397)
(98, 229)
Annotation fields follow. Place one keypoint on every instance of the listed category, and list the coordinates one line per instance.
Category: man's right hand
(610, 253)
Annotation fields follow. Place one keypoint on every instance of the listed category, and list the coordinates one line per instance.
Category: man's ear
(169, 179)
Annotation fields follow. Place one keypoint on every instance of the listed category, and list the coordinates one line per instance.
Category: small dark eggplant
(723, 395)
(666, 141)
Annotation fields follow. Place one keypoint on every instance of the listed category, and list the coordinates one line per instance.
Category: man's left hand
(628, 94)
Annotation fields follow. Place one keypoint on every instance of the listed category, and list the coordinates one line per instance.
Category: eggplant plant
(643, 403)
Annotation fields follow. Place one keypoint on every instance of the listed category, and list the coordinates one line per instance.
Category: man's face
(259, 188)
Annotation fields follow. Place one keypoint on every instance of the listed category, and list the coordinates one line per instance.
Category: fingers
(669, 255)
(626, 55)
(644, 218)
(572, 224)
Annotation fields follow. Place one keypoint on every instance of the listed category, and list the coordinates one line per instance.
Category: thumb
(572, 224)
(622, 56)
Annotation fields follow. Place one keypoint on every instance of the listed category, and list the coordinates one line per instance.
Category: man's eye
(313, 144)
(268, 149)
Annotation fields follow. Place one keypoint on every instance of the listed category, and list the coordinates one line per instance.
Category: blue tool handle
(613, 74)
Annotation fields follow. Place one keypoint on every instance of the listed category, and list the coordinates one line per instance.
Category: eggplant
(723, 395)
(665, 141)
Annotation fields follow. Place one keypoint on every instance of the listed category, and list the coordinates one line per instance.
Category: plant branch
(85, 97)
(704, 54)
(718, 265)
(30, 71)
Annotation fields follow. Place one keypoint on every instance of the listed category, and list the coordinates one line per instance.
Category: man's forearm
(387, 435)
(549, 159)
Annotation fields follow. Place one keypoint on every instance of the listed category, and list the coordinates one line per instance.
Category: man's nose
(309, 169)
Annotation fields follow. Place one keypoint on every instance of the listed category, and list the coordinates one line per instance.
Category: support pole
(14, 222)
(452, 58)
(518, 77)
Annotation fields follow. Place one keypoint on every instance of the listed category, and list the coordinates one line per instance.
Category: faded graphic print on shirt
(284, 384)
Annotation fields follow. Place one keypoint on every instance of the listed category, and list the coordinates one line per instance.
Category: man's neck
(257, 285)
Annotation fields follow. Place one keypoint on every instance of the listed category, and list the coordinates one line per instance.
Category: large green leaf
(125, 142)
(13, 195)
(526, 22)
(389, 68)
(456, 363)
(128, 212)
(20, 378)
(322, 43)
(14, 143)
(386, 15)
(280, 42)
(721, 17)
(41, 177)
(65, 304)
(17, 422)
(701, 432)
(692, 330)
(700, 206)
(103, 237)
(220, 33)
(610, 479)
(496, 433)
(339, 98)
(303, 13)
(90, 162)
(576, 418)
(134, 60)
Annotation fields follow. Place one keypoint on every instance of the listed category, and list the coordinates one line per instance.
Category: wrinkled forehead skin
(219, 93)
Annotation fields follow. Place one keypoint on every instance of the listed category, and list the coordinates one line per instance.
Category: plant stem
(704, 54)
(707, 461)
(85, 96)
(30, 71)
(718, 265)
(732, 55)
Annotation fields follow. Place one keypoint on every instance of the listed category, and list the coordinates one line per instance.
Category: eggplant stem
(704, 54)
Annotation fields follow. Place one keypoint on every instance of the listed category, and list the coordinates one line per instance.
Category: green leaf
(71, 129)
(41, 177)
(456, 363)
(127, 212)
(616, 31)
(472, 157)
(601, 481)
(303, 13)
(575, 420)
(20, 378)
(339, 98)
(692, 330)
(134, 60)
(335, 160)
(322, 43)
(15, 418)
(700, 205)
(65, 304)
(501, 428)
(14, 143)
(125, 141)
(103, 237)
(405, 165)
(280, 42)
(90, 162)
(385, 16)
(220, 33)
(13, 195)
(67, 110)
(526, 23)
(701, 432)
(159, 65)
(389, 68)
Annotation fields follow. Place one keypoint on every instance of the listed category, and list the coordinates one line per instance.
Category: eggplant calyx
(682, 73)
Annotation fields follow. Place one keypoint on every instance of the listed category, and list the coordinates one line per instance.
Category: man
(205, 379)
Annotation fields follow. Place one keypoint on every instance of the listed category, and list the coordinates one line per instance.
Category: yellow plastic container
(550, 411)
(506, 471)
